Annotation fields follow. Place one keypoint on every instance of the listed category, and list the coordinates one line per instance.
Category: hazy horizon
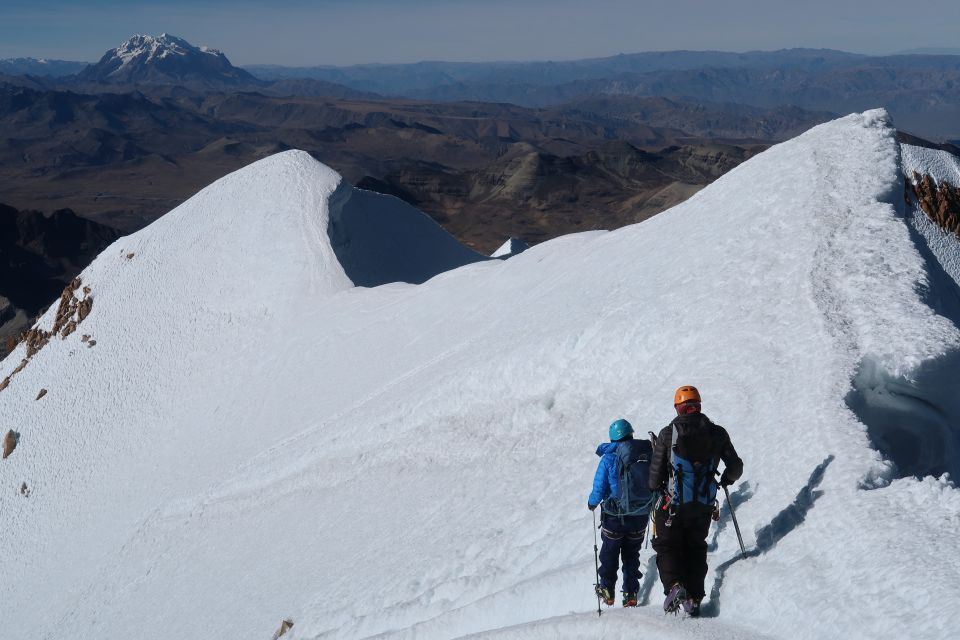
(347, 32)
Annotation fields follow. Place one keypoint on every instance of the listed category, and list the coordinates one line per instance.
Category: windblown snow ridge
(914, 417)
(326, 229)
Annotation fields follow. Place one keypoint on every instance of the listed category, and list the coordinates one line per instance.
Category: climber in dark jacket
(622, 535)
(682, 520)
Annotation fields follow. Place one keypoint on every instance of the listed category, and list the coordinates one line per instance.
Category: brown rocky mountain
(537, 196)
(124, 159)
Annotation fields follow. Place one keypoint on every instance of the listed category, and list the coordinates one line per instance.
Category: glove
(725, 481)
(591, 506)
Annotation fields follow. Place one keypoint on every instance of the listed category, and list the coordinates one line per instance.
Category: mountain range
(918, 89)
(125, 159)
(40, 67)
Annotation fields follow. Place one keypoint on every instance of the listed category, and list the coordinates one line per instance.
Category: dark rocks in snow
(70, 313)
(285, 626)
(10, 443)
(39, 254)
(42, 393)
(941, 202)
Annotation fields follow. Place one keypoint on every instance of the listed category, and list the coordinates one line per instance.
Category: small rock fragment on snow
(42, 393)
(25, 490)
(91, 343)
(83, 309)
(130, 255)
(68, 328)
(285, 626)
(10, 443)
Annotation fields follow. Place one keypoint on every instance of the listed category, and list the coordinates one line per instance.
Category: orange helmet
(685, 394)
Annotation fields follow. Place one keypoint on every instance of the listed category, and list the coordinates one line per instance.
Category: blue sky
(298, 32)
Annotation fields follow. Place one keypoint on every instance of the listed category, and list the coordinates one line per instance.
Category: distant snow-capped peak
(148, 48)
(165, 59)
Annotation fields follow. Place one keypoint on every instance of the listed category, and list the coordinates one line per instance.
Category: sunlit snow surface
(254, 438)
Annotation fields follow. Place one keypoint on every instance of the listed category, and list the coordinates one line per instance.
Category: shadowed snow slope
(253, 438)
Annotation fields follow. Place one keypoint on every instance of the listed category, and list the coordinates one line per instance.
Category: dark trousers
(681, 546)
(621, 542)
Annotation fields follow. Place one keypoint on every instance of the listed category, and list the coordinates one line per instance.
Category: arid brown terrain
(486, 171)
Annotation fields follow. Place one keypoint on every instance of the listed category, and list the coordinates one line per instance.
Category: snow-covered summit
(164, 59)
(250, 437)
(150, 48)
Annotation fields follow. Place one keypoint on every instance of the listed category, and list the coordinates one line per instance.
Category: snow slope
(252, 437)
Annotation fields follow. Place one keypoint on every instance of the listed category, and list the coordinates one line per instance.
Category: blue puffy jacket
(605, 480)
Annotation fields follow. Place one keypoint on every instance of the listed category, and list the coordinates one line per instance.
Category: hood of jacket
(607, 447)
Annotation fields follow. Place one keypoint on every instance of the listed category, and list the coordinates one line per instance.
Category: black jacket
(698, 440)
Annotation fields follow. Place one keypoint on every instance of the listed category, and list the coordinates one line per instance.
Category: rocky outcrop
(941, 202)
(39, 254)
(71, 311)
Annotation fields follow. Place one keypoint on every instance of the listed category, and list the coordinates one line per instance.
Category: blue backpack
(633, 472)
(692, 481)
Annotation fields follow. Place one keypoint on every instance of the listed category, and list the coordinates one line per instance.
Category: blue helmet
(620, 429)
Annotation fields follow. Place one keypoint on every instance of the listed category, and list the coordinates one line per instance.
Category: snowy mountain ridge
(164, 59)
(253, 437)
(148, 48)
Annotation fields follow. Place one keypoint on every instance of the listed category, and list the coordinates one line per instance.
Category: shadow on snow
(767, 538)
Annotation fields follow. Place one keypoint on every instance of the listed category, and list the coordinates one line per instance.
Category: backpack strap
(624, 461)
(674, 471)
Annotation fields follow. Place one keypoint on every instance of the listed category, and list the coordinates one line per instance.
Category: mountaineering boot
(629, 598)
(691, 607)
(675, 598)
(605, 594)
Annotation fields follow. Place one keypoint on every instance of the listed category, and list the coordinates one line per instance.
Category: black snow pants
(621, 542)
(681, 546)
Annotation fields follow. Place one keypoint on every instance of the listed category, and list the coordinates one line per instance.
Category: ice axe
(596, 562)
(733, 516)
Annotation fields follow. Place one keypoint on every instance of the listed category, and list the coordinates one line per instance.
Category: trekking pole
(736, 526)
(596, 563)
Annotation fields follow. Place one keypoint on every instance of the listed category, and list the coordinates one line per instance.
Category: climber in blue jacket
(620, 488)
